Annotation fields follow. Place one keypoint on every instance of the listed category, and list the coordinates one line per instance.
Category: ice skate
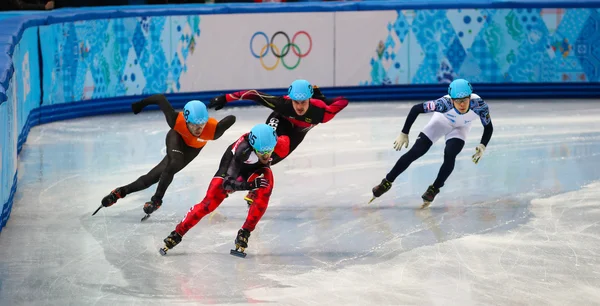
(150, 207)
(170, 242)
(110, 199)
(380, 189)
(429, 196)
(241, 243)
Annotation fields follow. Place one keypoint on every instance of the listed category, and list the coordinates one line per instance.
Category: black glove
(137, 107)
(317, 94)
(258, 182)
(217, 102)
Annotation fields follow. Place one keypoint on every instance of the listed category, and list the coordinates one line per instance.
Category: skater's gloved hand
(217, 102)
(401, 140)
(478, 153)
(317, 94)
(136, 107)
(259, 182)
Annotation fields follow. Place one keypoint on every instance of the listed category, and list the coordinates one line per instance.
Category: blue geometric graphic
(138, 55)
(587, 48)
(495, 45)
(401, 27)
(456, 54)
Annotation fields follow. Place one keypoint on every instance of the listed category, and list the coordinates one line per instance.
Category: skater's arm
(272, 102)
(332, 109)
(231, 183)
(162, 102)
(487, 134)
(482, 109)
(241, 153)
(223, 125)
(317, 94)
(440, 105)
(412, 116)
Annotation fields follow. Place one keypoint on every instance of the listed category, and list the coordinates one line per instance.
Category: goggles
(460, 100)
(264, 153)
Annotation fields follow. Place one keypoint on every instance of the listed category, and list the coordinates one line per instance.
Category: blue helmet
(300, 90)
(262, 138)
(460, 88)
(195, 112)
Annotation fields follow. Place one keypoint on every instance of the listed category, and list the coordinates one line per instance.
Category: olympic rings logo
(280, 55)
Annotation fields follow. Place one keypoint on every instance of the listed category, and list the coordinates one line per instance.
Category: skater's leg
(256, 211)
(419, 149)
(436, 128)
(147, 179)
(214, 196)
(173, 142)
(258, 208)
(453, 148)
(141, 183)
(179, 155)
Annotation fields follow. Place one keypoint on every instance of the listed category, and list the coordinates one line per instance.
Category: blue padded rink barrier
(527, 235)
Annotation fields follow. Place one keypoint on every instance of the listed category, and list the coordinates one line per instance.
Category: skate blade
(145, 217)
(425, 204)
(163, 251)
(237, 253)
(372, 199)
(97, 209)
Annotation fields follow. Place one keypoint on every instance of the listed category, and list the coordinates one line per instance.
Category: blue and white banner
(481, 45)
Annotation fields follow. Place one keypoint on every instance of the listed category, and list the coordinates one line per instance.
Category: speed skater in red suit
(245, 165)
(293, 114)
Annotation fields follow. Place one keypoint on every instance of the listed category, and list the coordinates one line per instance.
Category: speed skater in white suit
(453, 114)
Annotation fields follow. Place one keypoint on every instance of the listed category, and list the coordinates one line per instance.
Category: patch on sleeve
(430, 105)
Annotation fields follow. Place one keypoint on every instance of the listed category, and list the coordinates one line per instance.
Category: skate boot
(170, 242)
(250, 197)
(241, 243)
(150, 207)
(380, 189)
(429, 195)
(111, 198)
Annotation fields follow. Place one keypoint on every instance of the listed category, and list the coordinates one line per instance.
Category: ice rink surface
(519, 228)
